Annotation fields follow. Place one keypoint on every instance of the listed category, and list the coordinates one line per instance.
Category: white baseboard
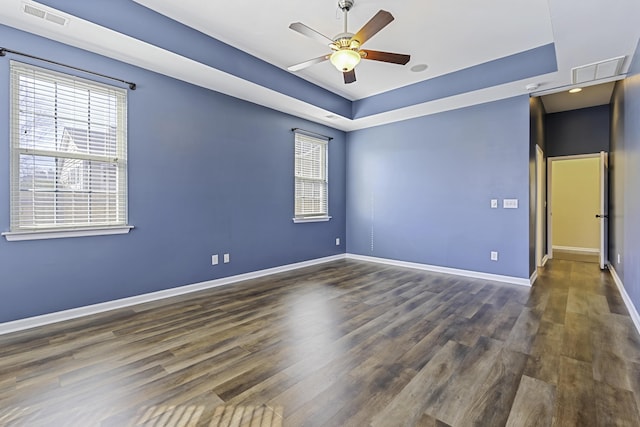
(60, 316)
(446, 270)
(576, 249)
(74, 313)
(544, 260)
(533, 277)
(633, 312)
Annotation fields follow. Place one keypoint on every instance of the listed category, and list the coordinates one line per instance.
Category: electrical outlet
(214, 259)
(225, 258)
(337, 241)
(494, 256)
(618, 258)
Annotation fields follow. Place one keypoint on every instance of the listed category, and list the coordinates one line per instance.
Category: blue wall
(530, 63)
(207, 174)
(583, 131)
(420, 190)
(624, 211)
(616, 179)
(125, 16)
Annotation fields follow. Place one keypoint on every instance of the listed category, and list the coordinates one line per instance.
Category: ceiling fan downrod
(345, 6)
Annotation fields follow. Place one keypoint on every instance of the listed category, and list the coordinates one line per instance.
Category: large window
(68, 152)
(311, 181)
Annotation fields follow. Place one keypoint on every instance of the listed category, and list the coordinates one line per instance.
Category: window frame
(300, 216)
(52, 229)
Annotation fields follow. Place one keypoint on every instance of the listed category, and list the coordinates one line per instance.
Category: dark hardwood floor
(576, 256)
(346, 343)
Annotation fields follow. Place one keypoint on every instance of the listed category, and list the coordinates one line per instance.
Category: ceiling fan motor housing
(344, 41)
(345, 4)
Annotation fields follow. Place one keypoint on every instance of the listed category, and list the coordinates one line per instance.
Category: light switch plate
(510, 203)
(494, 203)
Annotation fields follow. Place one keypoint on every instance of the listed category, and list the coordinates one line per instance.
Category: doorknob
(602, 216)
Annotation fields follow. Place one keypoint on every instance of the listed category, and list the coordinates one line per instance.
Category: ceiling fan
(346, 46)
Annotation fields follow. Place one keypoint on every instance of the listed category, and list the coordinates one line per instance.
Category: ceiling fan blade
(375, 24)
(310, 32)
(349, 76)
(394, 58)
(305, 64)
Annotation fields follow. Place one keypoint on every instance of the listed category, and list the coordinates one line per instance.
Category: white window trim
(298, 219)
(312, 219)
(17, 236)
(62, 232)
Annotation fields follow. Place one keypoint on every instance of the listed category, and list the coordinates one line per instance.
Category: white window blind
(68, 152)
(311, 180)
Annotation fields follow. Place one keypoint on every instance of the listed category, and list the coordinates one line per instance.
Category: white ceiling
(590, 96)
(444, 34)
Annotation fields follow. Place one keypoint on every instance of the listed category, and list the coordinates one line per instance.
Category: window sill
(16, 236)
(312, 219)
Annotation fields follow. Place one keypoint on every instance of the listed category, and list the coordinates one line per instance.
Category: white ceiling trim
(620, 38)
(447, 36)
(97, 39)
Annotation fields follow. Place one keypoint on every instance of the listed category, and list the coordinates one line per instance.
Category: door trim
(540, 198)
(550, 161)
(603, 215)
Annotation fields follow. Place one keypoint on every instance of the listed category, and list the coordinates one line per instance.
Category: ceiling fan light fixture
(346, 46)
(345, 60)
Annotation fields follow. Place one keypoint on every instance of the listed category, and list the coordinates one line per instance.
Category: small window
(68, 152)
(311, 178)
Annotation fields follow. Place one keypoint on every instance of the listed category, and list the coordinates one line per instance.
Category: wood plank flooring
(559, 254)
(346, 343)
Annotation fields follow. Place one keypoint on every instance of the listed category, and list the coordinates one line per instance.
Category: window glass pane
(68, 151)
(310, 176)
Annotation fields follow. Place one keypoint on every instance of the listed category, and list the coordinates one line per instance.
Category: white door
(604, 209)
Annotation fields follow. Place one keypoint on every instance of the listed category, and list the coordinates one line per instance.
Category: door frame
(540, 205)
(550, 161)
(603, 215)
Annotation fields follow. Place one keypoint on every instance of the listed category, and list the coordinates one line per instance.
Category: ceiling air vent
(34, 11)
(43, 14)
(56, 19)
(597, 71)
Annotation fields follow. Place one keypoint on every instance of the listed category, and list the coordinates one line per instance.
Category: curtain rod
(312, 133)
(4, 51)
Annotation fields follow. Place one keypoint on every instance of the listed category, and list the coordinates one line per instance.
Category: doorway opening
(577, 208)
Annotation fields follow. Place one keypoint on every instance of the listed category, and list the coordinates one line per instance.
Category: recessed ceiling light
(575, 90)
(419, 68)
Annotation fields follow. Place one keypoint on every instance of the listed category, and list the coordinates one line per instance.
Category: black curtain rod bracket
(329, 138)
(4, 51)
